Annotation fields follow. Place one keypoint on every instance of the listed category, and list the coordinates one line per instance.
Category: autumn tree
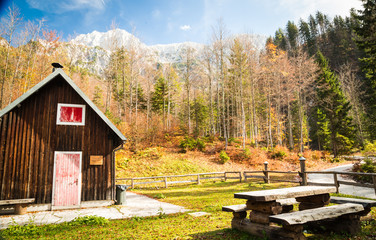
(10, 24)
(238, 73)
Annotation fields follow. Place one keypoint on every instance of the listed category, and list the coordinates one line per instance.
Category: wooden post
(303, 171)
(165, 182)
(132, 183)
(20, 209)
(266, 173)
(225, 175)
(374, 182)
(198, 179)
(240, 177)
(336, 182)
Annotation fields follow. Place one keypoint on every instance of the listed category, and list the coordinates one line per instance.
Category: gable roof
(42, 83)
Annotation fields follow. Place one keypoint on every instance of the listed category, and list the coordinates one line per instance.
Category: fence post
(336, 182)
(374, 182)
(165, 182)
(303, 171)
(266, 173)
(240, 176)
(225, 175)
(198, 179)
(132, 183)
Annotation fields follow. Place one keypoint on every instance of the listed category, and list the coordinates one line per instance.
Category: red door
(67, 179)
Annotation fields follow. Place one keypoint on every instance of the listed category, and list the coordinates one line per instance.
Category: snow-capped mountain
(108, 40)
(93, 50)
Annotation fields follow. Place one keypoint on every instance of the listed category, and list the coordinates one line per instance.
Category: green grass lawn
(208, 197)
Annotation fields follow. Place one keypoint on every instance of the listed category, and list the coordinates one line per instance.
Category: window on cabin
(70, 114)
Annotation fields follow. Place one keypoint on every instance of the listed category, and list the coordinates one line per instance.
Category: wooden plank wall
(29, 136)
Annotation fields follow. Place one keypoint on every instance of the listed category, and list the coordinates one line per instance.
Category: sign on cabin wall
(96, 160)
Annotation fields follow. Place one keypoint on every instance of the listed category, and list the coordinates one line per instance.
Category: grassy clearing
(208, 197)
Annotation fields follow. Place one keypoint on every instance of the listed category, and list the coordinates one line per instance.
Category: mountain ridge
(98, 46)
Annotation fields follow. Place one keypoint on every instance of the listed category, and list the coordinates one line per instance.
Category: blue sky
(171, 21)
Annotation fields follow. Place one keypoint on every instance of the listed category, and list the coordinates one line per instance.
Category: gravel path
(345, 189)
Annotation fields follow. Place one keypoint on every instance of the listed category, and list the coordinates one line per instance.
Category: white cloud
(185, 27)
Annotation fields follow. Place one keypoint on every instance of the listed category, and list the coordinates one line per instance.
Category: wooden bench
(367, 204)
(340, 218)
(343, 218)
(20, 204)
(266, 207)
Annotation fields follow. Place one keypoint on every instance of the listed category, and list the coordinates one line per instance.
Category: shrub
(369, 148)
(244, 154)
(223, 157)
(200, 144)
(278, 154)
(190, 144)
(187, 143)
(368, 166)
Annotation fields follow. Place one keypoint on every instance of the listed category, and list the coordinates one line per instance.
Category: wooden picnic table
(283, 193)
(274, 206)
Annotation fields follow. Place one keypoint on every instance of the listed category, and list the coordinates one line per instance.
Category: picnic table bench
(367, 204)
(20, 204)
(272, 207)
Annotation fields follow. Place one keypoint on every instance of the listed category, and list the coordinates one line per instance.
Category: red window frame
(70, 114)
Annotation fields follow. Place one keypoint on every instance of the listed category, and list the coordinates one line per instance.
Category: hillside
(167, 159)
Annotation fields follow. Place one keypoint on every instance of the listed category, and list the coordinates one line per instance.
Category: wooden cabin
(56, 146)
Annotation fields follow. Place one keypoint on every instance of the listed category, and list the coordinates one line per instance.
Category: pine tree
(292, 34)
(159, 96)
(323, 132)
(335, 110)
(366, 41)
(280, 39)
(199, 115)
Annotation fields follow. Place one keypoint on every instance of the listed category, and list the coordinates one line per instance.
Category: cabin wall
(29, 137)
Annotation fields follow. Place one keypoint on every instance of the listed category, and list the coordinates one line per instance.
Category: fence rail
(188, 178)
(265, 174)
(337, 182)
(197, 178)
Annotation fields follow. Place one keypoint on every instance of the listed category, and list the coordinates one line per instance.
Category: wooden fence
(266, 175)
(173, 179)
(337, 182)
